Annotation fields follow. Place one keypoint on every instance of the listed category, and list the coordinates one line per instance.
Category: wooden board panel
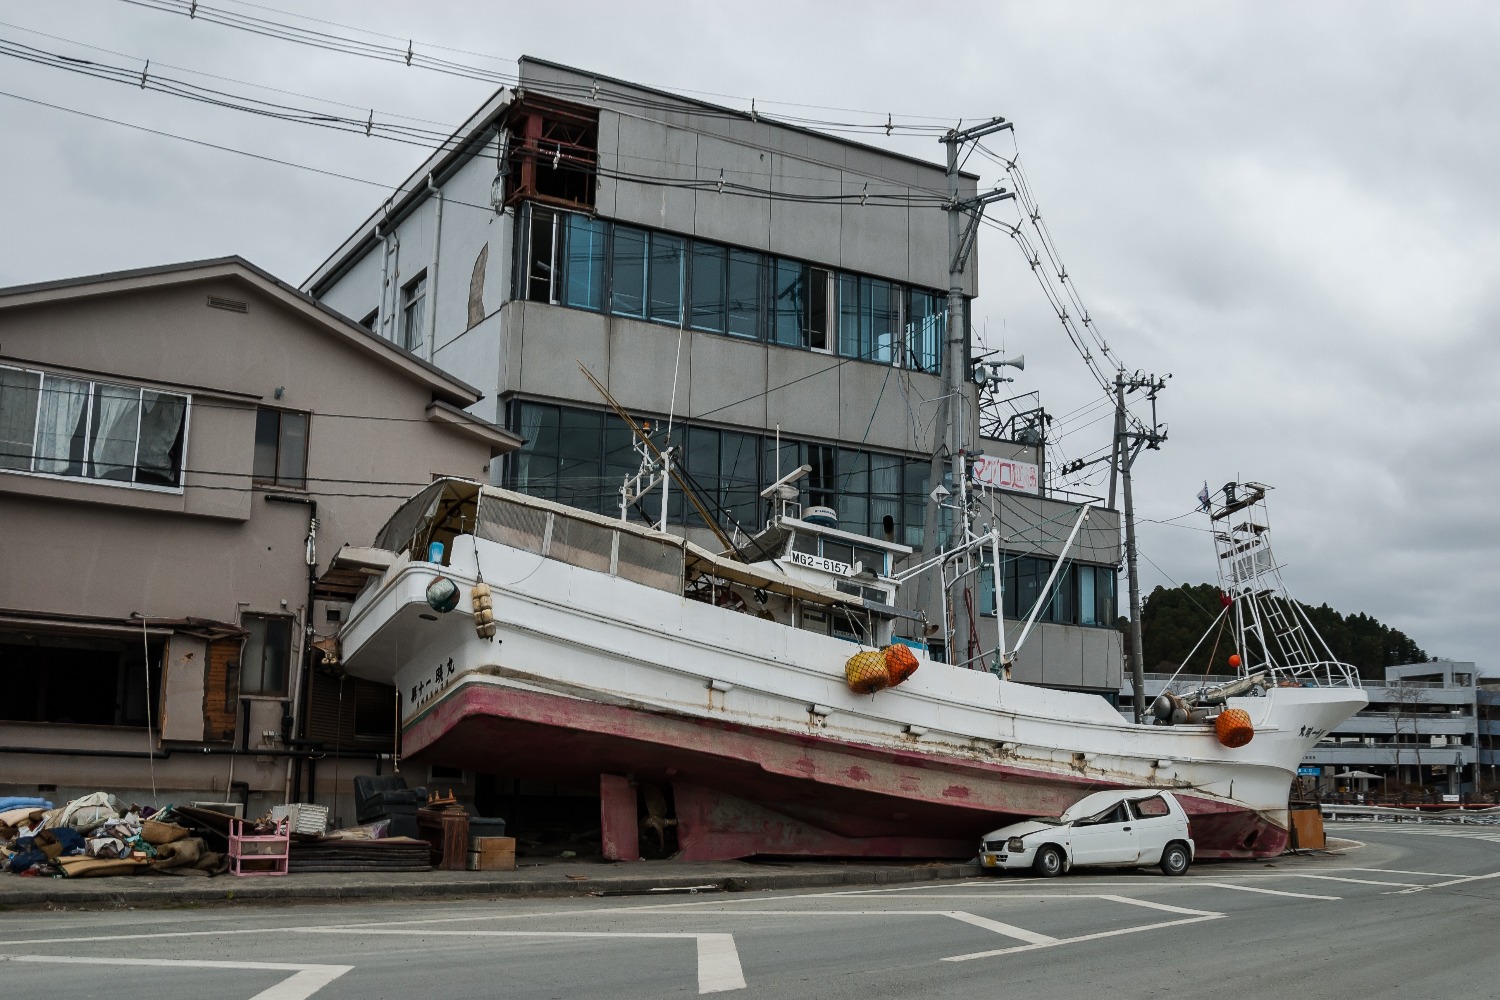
(221, 688)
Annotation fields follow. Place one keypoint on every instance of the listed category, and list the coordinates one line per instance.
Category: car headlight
(1015, 844)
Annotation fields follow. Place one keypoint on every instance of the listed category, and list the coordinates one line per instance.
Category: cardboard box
(492, 854)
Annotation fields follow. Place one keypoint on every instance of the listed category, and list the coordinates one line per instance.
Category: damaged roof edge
(692, 103)
(139, 279)
(460, 146)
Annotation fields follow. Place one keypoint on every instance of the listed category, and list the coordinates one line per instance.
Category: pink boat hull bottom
(739, 791)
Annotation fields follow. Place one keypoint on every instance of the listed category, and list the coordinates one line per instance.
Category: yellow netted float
(866, 672)
(1233, 727)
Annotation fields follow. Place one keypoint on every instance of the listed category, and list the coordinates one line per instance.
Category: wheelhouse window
(413, 312)
(281, 447)
(268, 652)
(58, 426)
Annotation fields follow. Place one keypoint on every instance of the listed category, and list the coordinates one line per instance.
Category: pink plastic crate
(258, 854)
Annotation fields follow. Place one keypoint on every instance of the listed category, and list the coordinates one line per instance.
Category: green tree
(1173, 619)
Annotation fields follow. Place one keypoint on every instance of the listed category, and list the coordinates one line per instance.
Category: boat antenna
(677, 477)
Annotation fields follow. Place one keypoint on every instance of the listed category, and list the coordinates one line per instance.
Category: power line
(418, 58)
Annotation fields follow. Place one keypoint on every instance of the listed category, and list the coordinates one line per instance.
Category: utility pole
(1127, 446)
(963, 225)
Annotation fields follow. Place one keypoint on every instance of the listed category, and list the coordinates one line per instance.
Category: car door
(1108, 838)
(1155, 827)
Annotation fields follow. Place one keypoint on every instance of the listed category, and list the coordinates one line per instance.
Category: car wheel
(1049, 862)
(1175, 859)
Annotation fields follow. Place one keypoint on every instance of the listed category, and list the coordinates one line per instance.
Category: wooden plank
(221, 688)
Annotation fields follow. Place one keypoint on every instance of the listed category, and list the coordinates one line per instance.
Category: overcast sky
(1290, 207)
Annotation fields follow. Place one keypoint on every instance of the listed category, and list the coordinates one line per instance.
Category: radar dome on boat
(825, 517)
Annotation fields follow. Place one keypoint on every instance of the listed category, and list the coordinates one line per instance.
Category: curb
(278, 891)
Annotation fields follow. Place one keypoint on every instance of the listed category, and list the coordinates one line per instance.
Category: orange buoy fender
(866, 672)
(900, 662)
(1233, 727)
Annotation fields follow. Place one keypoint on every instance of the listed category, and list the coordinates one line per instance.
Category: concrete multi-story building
(183, 451)
(764, 296)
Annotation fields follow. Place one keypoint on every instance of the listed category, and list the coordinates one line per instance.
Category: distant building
(183, 450)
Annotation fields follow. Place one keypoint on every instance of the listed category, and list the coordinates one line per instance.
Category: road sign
(1309, 772)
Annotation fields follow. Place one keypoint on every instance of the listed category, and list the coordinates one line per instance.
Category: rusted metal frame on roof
(537, 122)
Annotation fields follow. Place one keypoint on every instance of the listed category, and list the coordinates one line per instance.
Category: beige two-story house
(183, 449)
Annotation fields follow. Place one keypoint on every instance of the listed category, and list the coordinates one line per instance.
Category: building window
(926, 322)
(665, 282)
(369, 321)
(708, 298)
(586, 263)
(56, 426)
(281, 447)
(268, 653)
(585, 243)
(413, 312)
(869, 318)
(1081, 595)
(540, 259)
(627, 274)
(580, 457)
(78, 680)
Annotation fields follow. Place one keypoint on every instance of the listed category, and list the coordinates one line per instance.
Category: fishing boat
(777, 698)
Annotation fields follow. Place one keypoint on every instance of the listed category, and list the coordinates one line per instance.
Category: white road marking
(718, 959)
(1085, 937)
(999, 927)
(305, 981)
(1194, 884)
(1356, 881)
(1443, 885)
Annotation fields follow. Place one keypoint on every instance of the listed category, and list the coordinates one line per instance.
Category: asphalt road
(1409, 913)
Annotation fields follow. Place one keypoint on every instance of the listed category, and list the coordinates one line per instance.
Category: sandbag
(157, 833)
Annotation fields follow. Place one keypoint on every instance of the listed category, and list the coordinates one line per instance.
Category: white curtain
(531, 422)
(117, 412)
(60, 426)
(159, 460)
(18, 396)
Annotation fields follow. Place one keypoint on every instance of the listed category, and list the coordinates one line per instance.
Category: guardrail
(1446, 813)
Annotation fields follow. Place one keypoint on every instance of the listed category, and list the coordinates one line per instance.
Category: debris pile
(97, 835)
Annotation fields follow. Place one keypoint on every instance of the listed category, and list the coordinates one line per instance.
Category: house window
(80, 680)
(413, 311)
(268, 652)
(281, 447)
(56, 426)
(369, 321)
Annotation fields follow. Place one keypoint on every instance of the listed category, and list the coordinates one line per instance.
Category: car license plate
(991, 859)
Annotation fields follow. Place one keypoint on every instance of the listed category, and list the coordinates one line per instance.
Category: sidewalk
(535, 878)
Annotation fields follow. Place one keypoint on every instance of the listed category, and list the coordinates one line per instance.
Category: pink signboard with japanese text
(1005, 474)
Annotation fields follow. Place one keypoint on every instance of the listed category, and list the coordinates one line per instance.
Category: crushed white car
(1115, 828)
